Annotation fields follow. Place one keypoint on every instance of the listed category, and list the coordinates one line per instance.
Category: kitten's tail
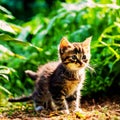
(21, 99)
(31, 74)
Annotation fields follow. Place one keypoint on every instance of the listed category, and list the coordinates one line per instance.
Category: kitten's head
(75, 55)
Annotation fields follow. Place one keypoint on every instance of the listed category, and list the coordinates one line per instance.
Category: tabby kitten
(58, 84)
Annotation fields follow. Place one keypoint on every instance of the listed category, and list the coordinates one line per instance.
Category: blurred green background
(30, 32)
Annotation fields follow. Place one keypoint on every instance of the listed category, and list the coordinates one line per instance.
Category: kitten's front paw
(65, 112)
(78, 110)
(39, 108)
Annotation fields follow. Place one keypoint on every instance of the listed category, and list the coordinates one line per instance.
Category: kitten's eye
(73, 57)
(84, 57)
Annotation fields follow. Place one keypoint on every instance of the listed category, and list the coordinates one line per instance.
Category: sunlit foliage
(28, 40)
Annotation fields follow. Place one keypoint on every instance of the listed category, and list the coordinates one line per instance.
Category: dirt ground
(100, 108)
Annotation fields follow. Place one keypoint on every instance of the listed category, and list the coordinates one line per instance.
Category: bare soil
(100, 108)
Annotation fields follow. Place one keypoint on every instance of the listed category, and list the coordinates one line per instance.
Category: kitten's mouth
(82, 63)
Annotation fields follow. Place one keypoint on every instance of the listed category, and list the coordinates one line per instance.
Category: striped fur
(58, 84)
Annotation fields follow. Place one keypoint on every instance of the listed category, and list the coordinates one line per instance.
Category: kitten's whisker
(92, 69)
(89, 67)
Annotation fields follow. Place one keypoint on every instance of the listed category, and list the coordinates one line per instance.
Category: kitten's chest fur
(70, 87)
(65, 81)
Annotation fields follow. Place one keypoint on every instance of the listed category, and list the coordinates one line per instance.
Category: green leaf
(16, 28)
(2, 9)
(4, 26)
(4, 76)
(5, 90)
(7, 38)
(6, 50)
(9, 53)
(4, 71)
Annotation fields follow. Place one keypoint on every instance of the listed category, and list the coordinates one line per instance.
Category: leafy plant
(26, 45)
(107, 61)
(4, 72)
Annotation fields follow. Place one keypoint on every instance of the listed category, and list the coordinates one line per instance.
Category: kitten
(58, 84)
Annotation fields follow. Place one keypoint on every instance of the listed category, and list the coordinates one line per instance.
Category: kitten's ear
(87, 42)
(64, 43)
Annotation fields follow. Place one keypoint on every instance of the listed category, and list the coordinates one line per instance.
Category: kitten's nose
(80, 62)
